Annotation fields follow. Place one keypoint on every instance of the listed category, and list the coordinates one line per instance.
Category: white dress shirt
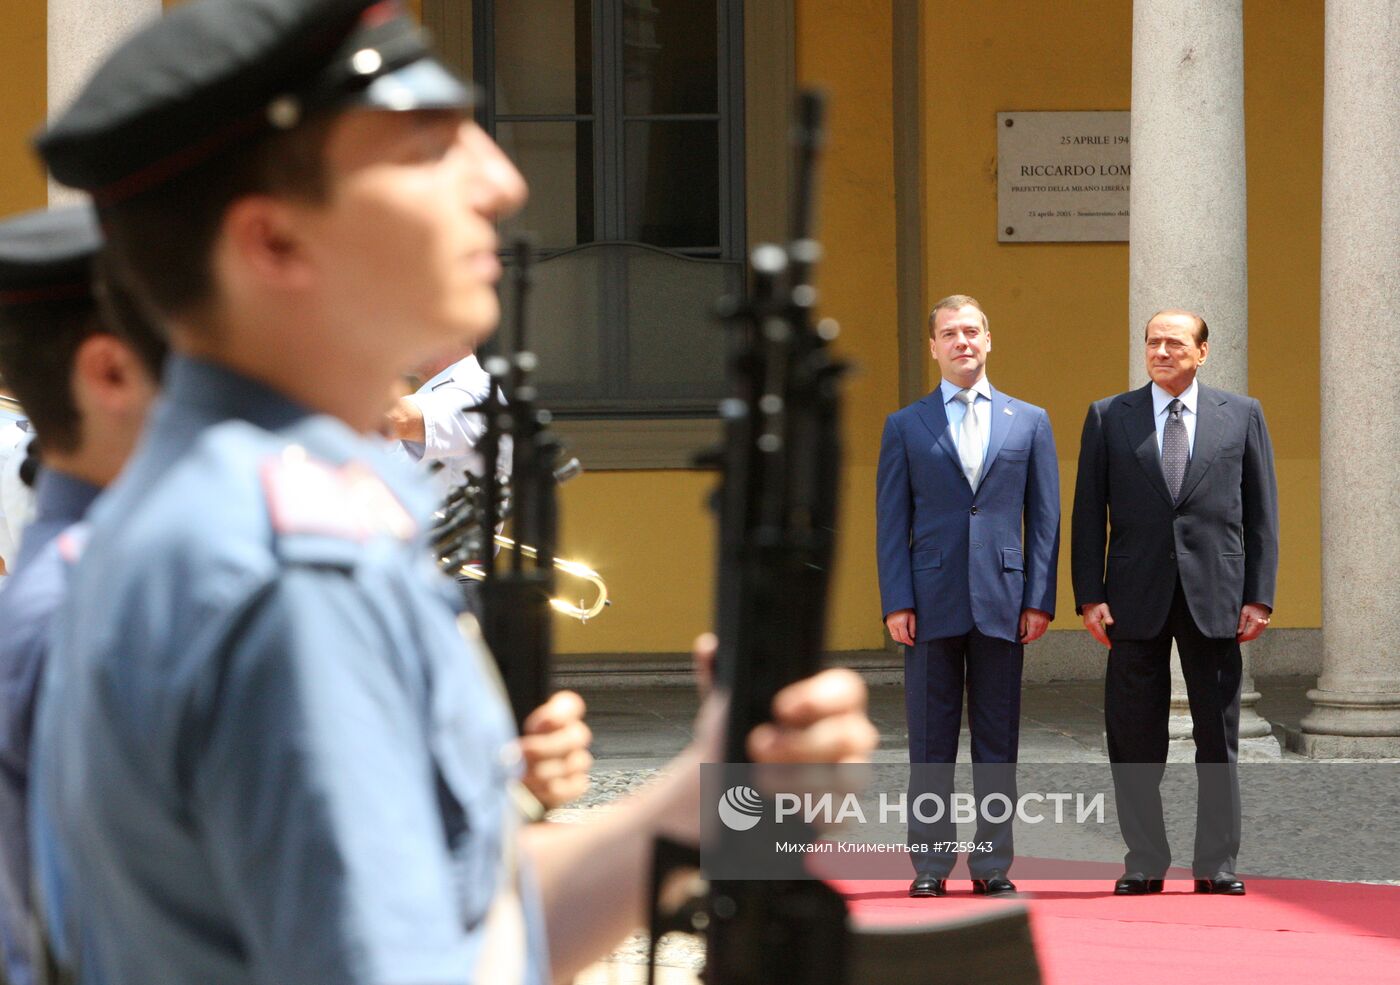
(1161, 399)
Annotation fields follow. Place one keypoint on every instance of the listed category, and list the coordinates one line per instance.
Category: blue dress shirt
(957, 410)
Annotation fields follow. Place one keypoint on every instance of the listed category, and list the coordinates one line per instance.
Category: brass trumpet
(458, 540)
(574, 569)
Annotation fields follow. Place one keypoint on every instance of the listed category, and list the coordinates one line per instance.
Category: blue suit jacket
(960, 559)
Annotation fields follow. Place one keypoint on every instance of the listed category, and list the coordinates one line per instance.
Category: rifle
(777, 508)
(516, 616)
(778, 501)
(777, 505)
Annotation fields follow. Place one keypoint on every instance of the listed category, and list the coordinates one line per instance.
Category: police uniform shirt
(451, 433)
(264, 752)
(27, 602)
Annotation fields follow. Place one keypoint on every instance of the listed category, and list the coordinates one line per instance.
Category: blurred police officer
(87, 390)
(274, 759)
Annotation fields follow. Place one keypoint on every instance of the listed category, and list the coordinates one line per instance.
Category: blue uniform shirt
(27, 602)
(264, 752)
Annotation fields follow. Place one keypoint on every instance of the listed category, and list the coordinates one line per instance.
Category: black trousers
(935, 675)
(1137, 699)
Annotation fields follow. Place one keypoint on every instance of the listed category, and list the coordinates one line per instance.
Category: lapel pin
(1006, 411)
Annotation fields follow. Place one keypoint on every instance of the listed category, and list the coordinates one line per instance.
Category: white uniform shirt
(16, 499)
(451, 434)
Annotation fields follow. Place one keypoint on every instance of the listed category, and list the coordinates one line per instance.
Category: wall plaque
(1062, 177)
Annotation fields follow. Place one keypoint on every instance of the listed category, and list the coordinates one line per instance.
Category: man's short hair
(124, 315)
(952, 303)
(162, 240)
(1202, 329)
(38, 344)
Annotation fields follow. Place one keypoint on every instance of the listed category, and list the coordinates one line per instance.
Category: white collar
(1160, 398)
(951, 390)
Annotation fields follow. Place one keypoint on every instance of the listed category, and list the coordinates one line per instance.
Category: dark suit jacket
(1221, 536)
(960, 559)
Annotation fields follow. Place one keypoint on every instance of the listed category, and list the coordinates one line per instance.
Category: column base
(1182, 748)
(1256, 749)
(1316, 746)
(1349, 725)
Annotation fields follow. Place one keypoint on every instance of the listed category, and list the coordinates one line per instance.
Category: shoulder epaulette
(72, 541)
(347, 502)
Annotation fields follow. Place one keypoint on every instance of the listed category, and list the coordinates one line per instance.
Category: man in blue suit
(968, 533)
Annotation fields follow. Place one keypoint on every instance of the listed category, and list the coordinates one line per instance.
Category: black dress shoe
(1221, 884)
(925, 886)
(1136, 884)
(995, 884)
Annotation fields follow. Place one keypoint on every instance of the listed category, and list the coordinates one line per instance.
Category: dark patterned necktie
(1176, 452)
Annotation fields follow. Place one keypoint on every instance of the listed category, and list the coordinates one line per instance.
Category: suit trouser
(1137, 700)
(935, 673)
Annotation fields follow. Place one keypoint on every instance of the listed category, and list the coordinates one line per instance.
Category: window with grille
(626, 117)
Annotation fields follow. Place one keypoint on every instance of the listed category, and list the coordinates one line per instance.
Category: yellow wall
(23, 32)
(1283, 134)
(651, 536)
(845, 48)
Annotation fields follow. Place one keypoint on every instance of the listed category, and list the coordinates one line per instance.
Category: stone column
(81, 32)
(1187, 226)
(1356, 705)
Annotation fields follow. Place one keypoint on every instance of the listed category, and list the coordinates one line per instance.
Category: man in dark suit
(968, 535)
(1184, 474)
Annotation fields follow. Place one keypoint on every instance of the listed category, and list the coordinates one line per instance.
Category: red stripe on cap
(174, 164)
(54, 292)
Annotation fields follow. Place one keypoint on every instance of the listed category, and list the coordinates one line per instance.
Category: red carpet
(1284, 931)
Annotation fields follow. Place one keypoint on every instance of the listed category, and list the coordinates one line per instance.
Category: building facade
(1265, 141)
